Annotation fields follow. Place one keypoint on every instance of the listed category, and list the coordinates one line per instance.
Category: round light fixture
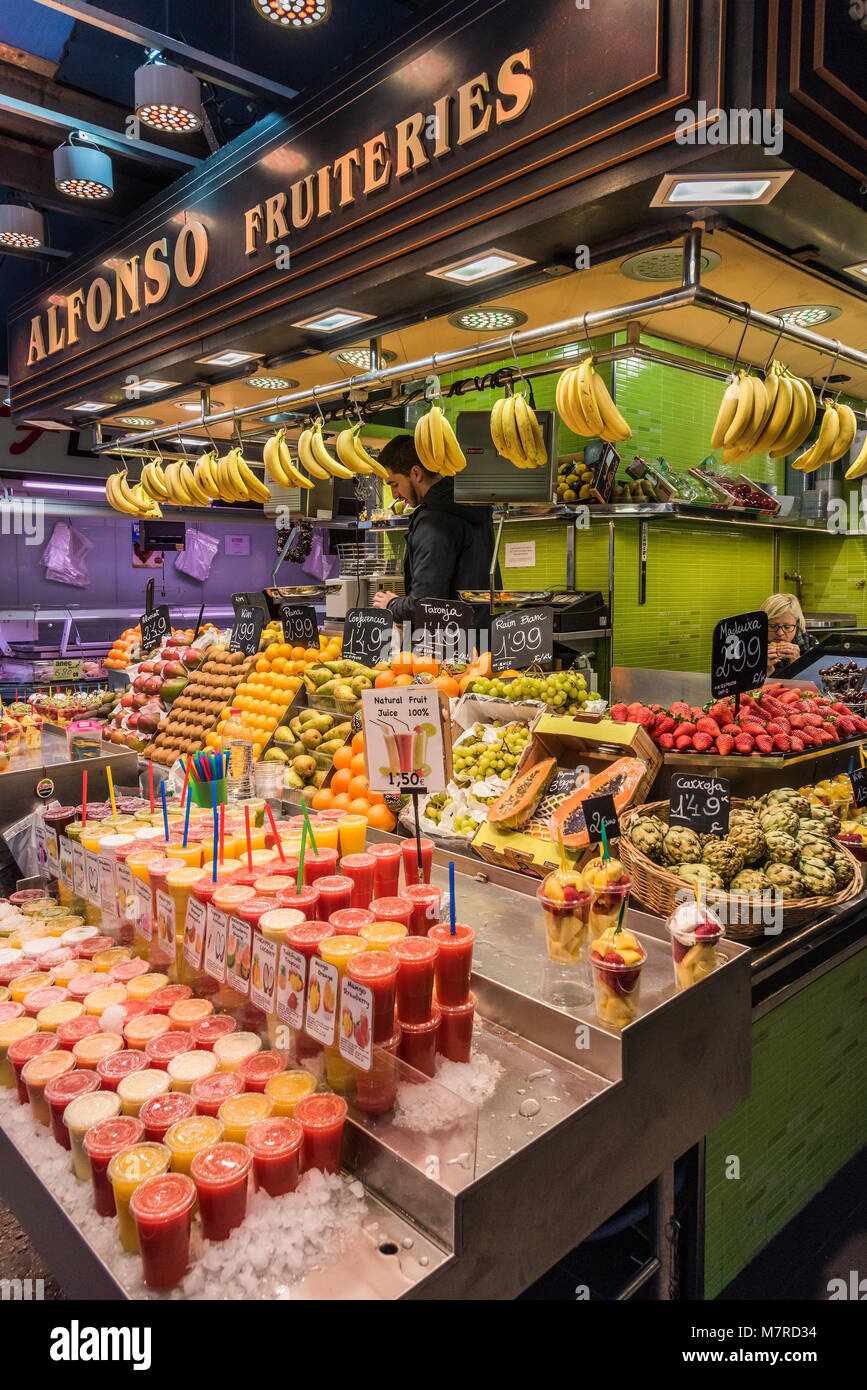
(491, 320)
(271, 383)
(294, 14)
(21, 227)
(807, 315)
(168, 98)
(135, 421)
(81, 170)
(664, 263)
(360, 357)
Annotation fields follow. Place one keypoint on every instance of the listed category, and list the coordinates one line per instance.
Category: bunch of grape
(474, 759)
(562, 690)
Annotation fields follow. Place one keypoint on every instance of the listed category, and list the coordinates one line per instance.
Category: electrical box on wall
(160, 535)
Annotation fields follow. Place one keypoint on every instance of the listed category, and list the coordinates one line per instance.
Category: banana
(198, 495)
(848, 426)
(811, 404)
(859, 467)
(780, 413)
(497, 426)
(510, 432)
(569, 404)
(233, 473)
(761, 412)
(614, 427)
(725, 414)
(177, 492)
(224, 480)
(306, 458)
(346, 452)
(587, 397)
(321, 455)
(271, 460)
(797, 428)
(115, 498)
(294, 475)
(256, 490)
(204, 476)
(361, 453)
(743, 413)
(525, 428)
(422, 444)
(437, 443)
(122, 490)
(454, 453)
(818, 454)
(147, 505)
(154, 480)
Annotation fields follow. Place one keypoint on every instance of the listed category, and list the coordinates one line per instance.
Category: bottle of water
(238, 745)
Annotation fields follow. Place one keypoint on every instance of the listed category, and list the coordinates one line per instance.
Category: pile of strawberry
(773, 720)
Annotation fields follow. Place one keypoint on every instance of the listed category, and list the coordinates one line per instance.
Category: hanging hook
(517, 363)
(749, 310)
(213, 445)
(830, 370)
(318, 406)
(774, 348)
(586, 334)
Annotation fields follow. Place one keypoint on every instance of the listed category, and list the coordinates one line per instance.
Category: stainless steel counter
(26, 768)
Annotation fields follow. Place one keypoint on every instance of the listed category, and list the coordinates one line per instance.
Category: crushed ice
(459, 1084)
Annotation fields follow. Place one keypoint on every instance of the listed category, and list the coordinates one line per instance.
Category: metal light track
(143, 150)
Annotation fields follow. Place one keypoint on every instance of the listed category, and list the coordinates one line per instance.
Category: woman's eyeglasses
(783, 627)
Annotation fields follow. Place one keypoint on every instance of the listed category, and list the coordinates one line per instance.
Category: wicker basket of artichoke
(779, 860)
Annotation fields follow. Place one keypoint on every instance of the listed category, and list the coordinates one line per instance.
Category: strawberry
(666, 741)
(840, 707)
(679, 709)
(706, 725)
(645, 717)
(797, 721)
(764, 743)
(814, 719)
(725, 743)
(722, 712)
(752, 726)
(797, 743)
(686, 728)
(732, 729)
(701, 742)
(846, 726)
(618, 712)
(683, 741)
(744, 743)
(860, 724)
(782, 743)
(664, 725)
(784, 723)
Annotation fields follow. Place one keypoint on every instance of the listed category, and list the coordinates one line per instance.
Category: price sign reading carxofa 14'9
(739, 659)
(404, 742)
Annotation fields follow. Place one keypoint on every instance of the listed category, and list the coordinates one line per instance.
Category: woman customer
(787, 632)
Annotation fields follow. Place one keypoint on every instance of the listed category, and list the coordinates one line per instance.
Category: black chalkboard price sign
(599, 811)
(702, 803)
(739, 659)
(442, 627)
(300, 624)
(858, 778)
(606, 473)
(367, 635)
(155, 626)
(524, 637)
(247, 629)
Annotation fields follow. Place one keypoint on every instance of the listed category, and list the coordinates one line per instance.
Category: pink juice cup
(59, 1092)
(375, 1090)
(221, 1174)
(206, 1032)
(378, 971)
(275, 1145)
(335, 894)
(22, 1050)
(418, 1043)
(392, 910)
(256, 1070)
(386, 875)
(307, 937)
(455, 1038)
(162, 1209)
(102, 1142)
(348, 921)
(39, 999)
(454, 964)
(409, 854)
(306, 901)
(320, 865)
(162, 1000)
(161, 1112)
(425, 900)
(416, 956)
(112, 1069)
(161, 1049)
(209, 1092)
(322, 1118)
(360, 868)
(72, 1032)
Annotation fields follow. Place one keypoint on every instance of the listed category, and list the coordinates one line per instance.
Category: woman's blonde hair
(779, 604)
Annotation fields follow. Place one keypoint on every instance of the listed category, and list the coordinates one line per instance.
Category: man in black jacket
(448, 546)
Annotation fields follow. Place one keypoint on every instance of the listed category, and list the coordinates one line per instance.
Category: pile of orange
(349, 790)
(407, 667)
(118, 657)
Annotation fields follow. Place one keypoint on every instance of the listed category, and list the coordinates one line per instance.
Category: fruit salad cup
(617, 959)
(609, 883)
(695, 935)
(566, 901)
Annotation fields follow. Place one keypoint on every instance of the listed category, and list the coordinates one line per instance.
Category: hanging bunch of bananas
(437, 445)
(859, 467)
(585, 405)
(836, 433)
(314, 457)
(236, 480)
(772, 416)
(516, 432)
(131, 501)
(353, 455)
(279, 465)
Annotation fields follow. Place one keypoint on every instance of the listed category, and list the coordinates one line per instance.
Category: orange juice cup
(138, 1032)
(187, 1012)
(189, 853)
(36, 1075)
(188, 1137)
(104, 960)
(90, 1051)
(143, 986)
(51, 1018)
(352, 832)
(239, 1113)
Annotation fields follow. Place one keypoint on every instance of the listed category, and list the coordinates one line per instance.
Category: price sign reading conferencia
(247, 629)
(367, 635)
(522, 638)
(404, 743)
(739, 658)
(300, 624)
(154, 627)
(702, 803)
(599, 811)
(441, 628)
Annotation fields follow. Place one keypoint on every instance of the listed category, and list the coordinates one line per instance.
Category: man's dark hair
(399, 456)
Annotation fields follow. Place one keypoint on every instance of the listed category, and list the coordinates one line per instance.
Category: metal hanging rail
(690, 293)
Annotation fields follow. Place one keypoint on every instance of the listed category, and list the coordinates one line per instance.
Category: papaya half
(621, 780)
(522, 796)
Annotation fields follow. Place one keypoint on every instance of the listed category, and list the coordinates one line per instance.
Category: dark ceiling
(58, 63)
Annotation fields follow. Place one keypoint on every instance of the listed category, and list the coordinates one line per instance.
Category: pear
(311, 738)
(284, 735)
(304, 768)
(275, 755)
(345, 692)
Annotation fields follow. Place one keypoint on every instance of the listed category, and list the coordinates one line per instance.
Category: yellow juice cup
(238, 1113)
(143, 985)
(49, 1019)
(339, 950)
(189, 854)
(286, 1089)
(231, 1050)
(339, 1073)
(257, 811)
(10, 1032)
(23, 984)
(188, 1067)
(179, 884)
(379, 936)
(264, 858)
(78, 1117)
(325, 834)
(104, 960)
(352, 832)
(188, 1137)
(127, 1171)
(141, 1086)
(232, 849)
(68, 969)
(99, 1000)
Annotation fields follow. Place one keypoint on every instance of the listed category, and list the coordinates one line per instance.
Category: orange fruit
(403, 680)
(358, 787)
(376, 798)
(358, 806)
(449, 685)
(297, 653)
(358, 742)
(380, 818)
(262, 664)
(424, 665)
(341, 801)
(274, 650)
(357, 765)
(343, 758)
(402, 664)
(384, 680)
(322, 799)
(341, 780)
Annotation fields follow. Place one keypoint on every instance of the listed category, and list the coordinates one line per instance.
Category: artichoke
(699, 873)
(681, 845)
(645, 834)
(782, 849)
(749, 881)
(843, 869)
(749, 840)
(819, 880)
(739, 817)
(790, 798)
(821, 851)
(825, 816)
(816, 829)
(723, 856)
(785, 880)
(779, 818)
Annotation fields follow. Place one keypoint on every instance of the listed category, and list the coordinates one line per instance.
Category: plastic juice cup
(455, 1038)
(161, 1049)
(325, 833)
(70, 970)
(425, 899)
(127, 970)
(138, 860)
(264, 858)
(179, 884)
(103, 961)
(339, 950)
(694, 956)
(162, 1000)
(9, 1009)
(454, 964)
(187, 1068)
(221, 1174)
(409, 854)
(80, 986)
(158, 1115)
(161, 1209)
(321, 865)
(22, 1047)
(378, 971)
(127, 1171)
(618, 988)
(205, 1032)
(418, 1043)
(275, 923)
(143, 986)
(257, 1069)
(308, 936)
(352, 832)
(348, 921)
(275, 1145)
(416, 956)
(606, 904)
(12, 970)
(186, 1012)
(307, 901)
(80, 1115)
(269, 885)
(138, 1032)
(158, 871)
(287, 1088)
(386, 876)
(253, 909)
(36, 946)
(99, 1000)
(189, 853)
(392, 910)
(60, 1091)
(89, 1051)
(339, 1074)
(231, 1050)
(359, 867)
(94, 946)
(37, 1072)
(381, 936)
(322, 1119)
(141, 1086)
(335, 893)
(117, 1065)
(209, 1092)
(21, 986)
(55, 956)
(74, 1029)
(188, 1137)
(148, 834)
(375, 1090)
(238, 1113)
(39, 999)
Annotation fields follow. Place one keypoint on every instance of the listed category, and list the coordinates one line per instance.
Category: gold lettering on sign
(304, 187)
(471, 97)
(377, 164)
(74, 308)
(411, 153)
(276, 225)
(56, 335)
(195, 232)
(126, 283)
(441, 127)
(323, 189)
(343, 172)
(36, 346)
(514, 80)
(157, 272)
(97, 318)
(253, 225)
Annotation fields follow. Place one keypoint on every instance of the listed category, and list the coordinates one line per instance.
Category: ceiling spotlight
(487, 320)
(167, 98)
(294, 14)
(480, 267)
(81, 170)
(807, 315)
(134, 421)
(360, 357)
(272, 383)
(21, 227)
(693, 190)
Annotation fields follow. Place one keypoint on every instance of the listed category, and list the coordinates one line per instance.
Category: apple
(132, 720)
(127, 699)
(139, 699)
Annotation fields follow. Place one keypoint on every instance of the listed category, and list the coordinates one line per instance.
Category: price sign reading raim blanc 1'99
(404, 742)
(522, 638)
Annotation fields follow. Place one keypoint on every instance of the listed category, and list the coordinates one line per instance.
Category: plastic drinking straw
(249, 841)
(111, 794)
(300, 878)
(165, 809)
(605, 852)
(274, 832)
(308, 827)
(564, 862)
(151, 784)
(186, 782)
(214, 803)
(222, 828)
(452, 926)
(189, 796)
(418, 837)
(83, 799)
(619, 926)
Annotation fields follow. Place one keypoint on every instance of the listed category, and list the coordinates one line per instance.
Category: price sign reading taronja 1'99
(404, 743)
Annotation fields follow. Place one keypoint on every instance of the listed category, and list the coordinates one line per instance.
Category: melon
(621, 780)
(522, 796)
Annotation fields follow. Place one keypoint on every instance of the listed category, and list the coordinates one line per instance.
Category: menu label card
(291, 987)
(263, 977)
(155, 626)
(143, 924)
(66, 876)
(702, 803)
(367, 635)
(107, 893)
(522, 638)
(195, 923)
(79, 873)
(404, 743)
(238, 955)
(125, 890)
(215, 950)
(52, 853)
(91, 860)
(355, 1035)
(858, 778)
(247, 629)
(299, 624)
(322, 988)
(165, 908)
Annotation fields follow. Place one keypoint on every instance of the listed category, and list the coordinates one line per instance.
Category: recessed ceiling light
(272, 383)
(807, 315)
(360, 357)
(134, 421)
(332, 319)
(859, 268)
(228, 359)
(151, 384)
(294, 14)
(491, 320)
(471, 268)
(196, 406)
(666, 263)
(167, 98)
(677, 191)
(91, 407)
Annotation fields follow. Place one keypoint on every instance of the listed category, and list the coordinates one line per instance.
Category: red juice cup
(275, 1145)
(162, 999)
(386, 875)
(360, 868)
(68, 1034)
(112, 1070)
(127, 970)
(89, 1052)
(454, 963)
(416, 956)
(376, 1089)
(418, 1043)
(162, 1210)
(13, 969)
(59, 1092)
(254, 909)
(50, 959)
(101, 1142)
(307, 901)
(36, 1075)
(320, 865)
(209, 1092)
(94, 946)
(348, 921)
(23, 1049)
(9, 1009)
(378, 971)
(307, 937)
(221, 1174)
(335, 893)
(270, 885)
(455, 1039)
(161, 1112)
(322, 1118)
(392, 910)
(205, 1033)
(161, 1049)
(426, 902)
(256, 1070)
(409, 853)
(39, 999)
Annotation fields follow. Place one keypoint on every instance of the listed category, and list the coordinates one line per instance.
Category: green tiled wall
(806, 1116)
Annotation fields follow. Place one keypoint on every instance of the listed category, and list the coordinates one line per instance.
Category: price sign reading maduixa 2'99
(404, 741)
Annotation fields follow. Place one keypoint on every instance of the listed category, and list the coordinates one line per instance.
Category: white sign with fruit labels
(91, 861)
(107, 890)
(291, 987)
(322, 989)
(215, 949)
(194, 932)
(79, 873)
(125, 891)
(263, 975)
(66, 877)
(355, 1034)
(238, 944)
(165, 909)
(51, 851)
(405, 746)
(143, 925)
